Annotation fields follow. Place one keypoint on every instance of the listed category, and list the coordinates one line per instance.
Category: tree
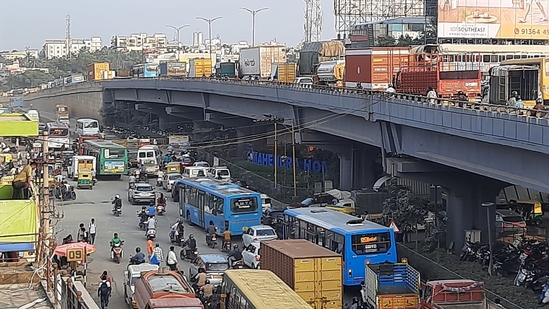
(404, 207)
(386, 41)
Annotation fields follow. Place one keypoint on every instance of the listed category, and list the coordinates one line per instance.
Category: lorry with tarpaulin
(391, 286)
(454, 294)
(313, 53)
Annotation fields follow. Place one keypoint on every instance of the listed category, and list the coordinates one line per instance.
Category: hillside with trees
(65, 66)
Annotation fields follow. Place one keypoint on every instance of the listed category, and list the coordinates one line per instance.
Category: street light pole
(253, 12)
(177, 29)
(489, 205)
(275, 154)
(293, 158)
(209, 21)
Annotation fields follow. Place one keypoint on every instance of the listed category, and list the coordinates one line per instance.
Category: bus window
(243, 205)
(371, 243)
(217, 204)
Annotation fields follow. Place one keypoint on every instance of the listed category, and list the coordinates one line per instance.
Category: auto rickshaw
(85, 179)
(173, 167)
(531, 211)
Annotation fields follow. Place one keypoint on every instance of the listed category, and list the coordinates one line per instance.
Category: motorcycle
(151, 233)
(159, 182)
(211, 241)
(188, 254)
(226, 246)
(238, 264)
(544, 296)
(117, 252)
(66, 194)
(176, 237)
(160, 209)
(117, 211)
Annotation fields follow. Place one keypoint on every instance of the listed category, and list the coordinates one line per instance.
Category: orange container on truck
(454, 294)
(313, 272)
(374, 68)
(98, 71)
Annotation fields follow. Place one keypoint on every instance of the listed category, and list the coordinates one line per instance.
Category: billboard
(493, 19)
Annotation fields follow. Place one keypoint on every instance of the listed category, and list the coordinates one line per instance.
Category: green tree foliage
(404, 207)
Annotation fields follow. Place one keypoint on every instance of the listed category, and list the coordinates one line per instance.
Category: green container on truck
(225, 70)
(391, 286)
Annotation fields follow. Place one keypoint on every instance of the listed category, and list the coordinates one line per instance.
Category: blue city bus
(204, 200)
(144, 70)
(359, 242)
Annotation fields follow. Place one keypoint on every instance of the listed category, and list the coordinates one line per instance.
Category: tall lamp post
(253, 12)
(489, 205)
(209, 21)
(177, 30)
(276, 121)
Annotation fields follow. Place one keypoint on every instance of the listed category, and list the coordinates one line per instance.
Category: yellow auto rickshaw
(173, 167)
(85, 179)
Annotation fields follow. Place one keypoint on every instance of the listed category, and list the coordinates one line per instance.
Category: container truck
(454, 294)
(98, 71)
(154, 288)
(257, 61)
(391, 286)
(283, 72)
(374, 68)
(313, 272)
(330, 73)
(200, 67)
(174, 69)
(225, 70)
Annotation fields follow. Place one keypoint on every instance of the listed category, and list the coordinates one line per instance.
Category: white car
(201, 164)
(258, 233)
(250, 256)
(169, 179)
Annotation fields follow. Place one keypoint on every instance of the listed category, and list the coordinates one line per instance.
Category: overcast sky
(30, 22)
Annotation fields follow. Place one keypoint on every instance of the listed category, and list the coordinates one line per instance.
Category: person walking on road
(104, 292)
(157, 256)
(172, 259)
(91, 231)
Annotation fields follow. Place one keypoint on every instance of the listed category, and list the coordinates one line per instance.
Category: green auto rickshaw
(85, 179)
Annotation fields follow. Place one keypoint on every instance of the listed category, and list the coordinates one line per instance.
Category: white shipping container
(258, 61)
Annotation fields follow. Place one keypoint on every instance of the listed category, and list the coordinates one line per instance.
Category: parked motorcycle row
(526, 260)
(151, 132)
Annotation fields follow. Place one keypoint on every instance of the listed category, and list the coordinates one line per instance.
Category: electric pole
(253, 12)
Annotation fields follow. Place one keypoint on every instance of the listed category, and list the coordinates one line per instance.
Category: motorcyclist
(143, 172)
(189, 244)
(151, 210)
(138, 258)
(177, 229)
(143, 215)
(161, 201)
(117, 202)
(207, 290)
(210, 230)
(226, 238)
(132, 180)
(115, 241)
(151, 224)
(234, 255)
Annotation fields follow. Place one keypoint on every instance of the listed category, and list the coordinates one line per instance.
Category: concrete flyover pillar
(465, 212)
(345, 171)
(366, 166)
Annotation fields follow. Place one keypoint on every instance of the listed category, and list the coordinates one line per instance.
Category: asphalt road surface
(96, 204)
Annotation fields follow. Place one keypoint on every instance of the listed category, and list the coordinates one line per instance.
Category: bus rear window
(244, 204)
(114, 154)
(58, 132)
(371, 243)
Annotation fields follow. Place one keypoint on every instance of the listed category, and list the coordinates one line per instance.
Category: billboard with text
(493, 19)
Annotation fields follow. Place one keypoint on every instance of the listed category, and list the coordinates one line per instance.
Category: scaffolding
(352, 12)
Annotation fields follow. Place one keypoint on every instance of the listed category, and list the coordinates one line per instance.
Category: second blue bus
(228, 206)
(359, 242)
(144, 70)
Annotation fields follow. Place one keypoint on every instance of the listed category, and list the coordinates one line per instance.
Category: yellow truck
(283, 72)
(313, 272)
(200, 67)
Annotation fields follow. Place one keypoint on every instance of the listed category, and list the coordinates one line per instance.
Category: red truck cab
(442, 294)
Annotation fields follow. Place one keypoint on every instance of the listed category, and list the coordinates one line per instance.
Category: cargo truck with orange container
(391, 286)
(411, 71)
(313, 272)
(99, 71)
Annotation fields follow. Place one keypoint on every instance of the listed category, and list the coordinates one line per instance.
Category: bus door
(201, 206)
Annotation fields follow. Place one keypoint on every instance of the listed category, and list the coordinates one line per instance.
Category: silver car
(169, 179)
(215, 266)
(141, 193)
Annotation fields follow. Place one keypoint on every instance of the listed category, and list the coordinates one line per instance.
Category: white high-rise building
(197, 39)
(59, 48)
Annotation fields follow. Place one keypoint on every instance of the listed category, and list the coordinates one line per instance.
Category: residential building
(20, 54)
(139, 41)
(59, 48)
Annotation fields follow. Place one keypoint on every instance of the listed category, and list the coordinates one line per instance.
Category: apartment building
(59, 48)
(140, 41)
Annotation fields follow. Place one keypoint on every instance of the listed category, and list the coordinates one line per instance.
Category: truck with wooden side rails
(163, 288)
(454, 294)
(283, 72)
(313, 272)
(391, 286)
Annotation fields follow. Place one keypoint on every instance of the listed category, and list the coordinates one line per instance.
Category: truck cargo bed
(382, 290)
